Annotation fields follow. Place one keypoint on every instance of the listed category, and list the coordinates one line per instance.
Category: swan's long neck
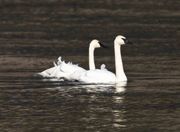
(120, 75)
(91, 58)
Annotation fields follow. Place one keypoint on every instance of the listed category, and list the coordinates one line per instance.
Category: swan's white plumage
(62, 69)
(47, 72)
(70, 68)
(97, 76)
(71, 72)
(103, 75)
(94, 76)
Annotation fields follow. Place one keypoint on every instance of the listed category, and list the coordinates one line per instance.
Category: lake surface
(34, 34)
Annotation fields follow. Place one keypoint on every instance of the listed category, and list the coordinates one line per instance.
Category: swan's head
(121, 40)
(96, 44)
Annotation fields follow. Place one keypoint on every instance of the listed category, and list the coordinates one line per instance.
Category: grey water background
(34, 33)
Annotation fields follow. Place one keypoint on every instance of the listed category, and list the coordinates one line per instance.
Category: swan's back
(70, 68)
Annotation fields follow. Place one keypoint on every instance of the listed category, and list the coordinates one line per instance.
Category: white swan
(103, 75)
(62, 69)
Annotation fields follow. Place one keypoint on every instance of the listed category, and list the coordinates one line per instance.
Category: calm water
(33, 35)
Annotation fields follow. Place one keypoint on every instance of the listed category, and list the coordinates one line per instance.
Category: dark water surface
(33, 34)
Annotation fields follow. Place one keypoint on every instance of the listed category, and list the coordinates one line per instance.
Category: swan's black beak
(127, 41)
(102, 45)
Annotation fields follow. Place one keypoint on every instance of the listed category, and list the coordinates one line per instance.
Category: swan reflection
(89, 88)
(95, 102)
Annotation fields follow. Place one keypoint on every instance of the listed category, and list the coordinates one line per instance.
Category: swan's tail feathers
(103, 67)
(42, 74)
(39, 75)
(48, 72)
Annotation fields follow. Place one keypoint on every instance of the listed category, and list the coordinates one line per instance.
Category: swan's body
(97, 76)
(103, 75)
(64, 70)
